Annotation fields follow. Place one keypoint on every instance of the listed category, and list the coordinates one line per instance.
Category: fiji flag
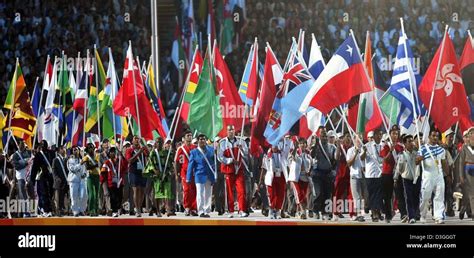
(285, 111)
(405, 74)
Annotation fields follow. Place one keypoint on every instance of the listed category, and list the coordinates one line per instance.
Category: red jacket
(110, 172)
(388, 165)
(182, 158)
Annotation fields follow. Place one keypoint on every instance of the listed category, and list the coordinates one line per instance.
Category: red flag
(232, 108)
(125, 101)
(449, 98)
(272, 78)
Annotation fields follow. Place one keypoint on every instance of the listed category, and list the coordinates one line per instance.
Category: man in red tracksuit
(181, 163)
(231, 153)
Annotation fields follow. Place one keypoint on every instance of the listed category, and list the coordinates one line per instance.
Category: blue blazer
(199, 168)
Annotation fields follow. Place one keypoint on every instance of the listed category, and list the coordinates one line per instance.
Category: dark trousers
(116, 198)
(400, 195)
(59, 195)
(448, 195)
(387, 190)
(412, 196)
(289, 204)
(219, 195)
(323, 187)
(45, 194)
(374, 187)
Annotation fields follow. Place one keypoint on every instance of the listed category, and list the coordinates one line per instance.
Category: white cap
(150, 142)
(217, 138)
(370, 134)
(448, 132)
(194, 141)
(339, 135)
(331, 133)
(126, 142)
(386, 137)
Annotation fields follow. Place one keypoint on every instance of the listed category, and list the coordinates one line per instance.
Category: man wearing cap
(324, 162)
(110, 179)
(201, 167)
(451, 154)
(135, 156)
(373, 173)
(231, 154)
(103, 156)
(354, 158)
(433, 159)
(342, 183)
(410, 174)
(181, 161)
(300, 163)
(149, 192)
(127, 197)
(466, 173)
(60, 174)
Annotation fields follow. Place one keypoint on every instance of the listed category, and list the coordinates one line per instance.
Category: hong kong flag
(442, 88)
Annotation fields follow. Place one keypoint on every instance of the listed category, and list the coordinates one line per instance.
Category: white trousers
(78, 194)
(432, 184)
(204, 197)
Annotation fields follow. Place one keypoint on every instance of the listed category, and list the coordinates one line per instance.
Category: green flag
(390, 106)
(204, 112)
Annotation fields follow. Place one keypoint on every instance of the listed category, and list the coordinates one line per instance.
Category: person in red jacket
(342, 182)
(181, 162)
(231, 153)
(136, 157)
(389, 153)
(111, 179)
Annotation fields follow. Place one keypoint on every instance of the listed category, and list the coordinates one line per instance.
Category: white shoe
(244, 214)
(335, 218)
(353, 218)
(115, 215)
(439, 221)
(423, 220)
(231, 215)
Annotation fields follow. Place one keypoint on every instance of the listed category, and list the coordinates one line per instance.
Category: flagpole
(41, 101)
(367, 76)
(78, 60)
(96, 71)
(61, 113)
(84, 140)
(111, 62)
(437, 73)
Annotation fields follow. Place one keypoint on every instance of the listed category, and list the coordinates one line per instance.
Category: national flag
(23, 121)
(79, 106)
(93, 103)
(36, 99)
(132, 95)
(111, 123)
(155, 99)
(64, 110)
(403, 87)
(302, 50)
(442, 88)
(369, 117)
(272, 79)
(248, 89)
(41, 100)
(285, 110)
(50, 120)
(227, 28)
(188, 31)
(466, 64)
(232, 110)
(343, 78)
(193, 80)
(204, 107)
(316, 62)
(178, 58)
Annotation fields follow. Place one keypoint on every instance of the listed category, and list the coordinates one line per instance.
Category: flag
(227, 28)
(188, 31)
(155, 99)
(449, 103)
(232, 110)
(178, 58)
(35, 100)
(93, 103)
(272, 78)
(64, 110)
(79, 106)
(50, 120)
(403, 87)
(285, 110)
(369, 117)
(343, 78)
(302, 50)
(23, 120)
(109, 119)
(466, 64)
(195, 71)
(248, 89)
(204, 106)
(132, 95)
(313, 118)
(41, 100)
